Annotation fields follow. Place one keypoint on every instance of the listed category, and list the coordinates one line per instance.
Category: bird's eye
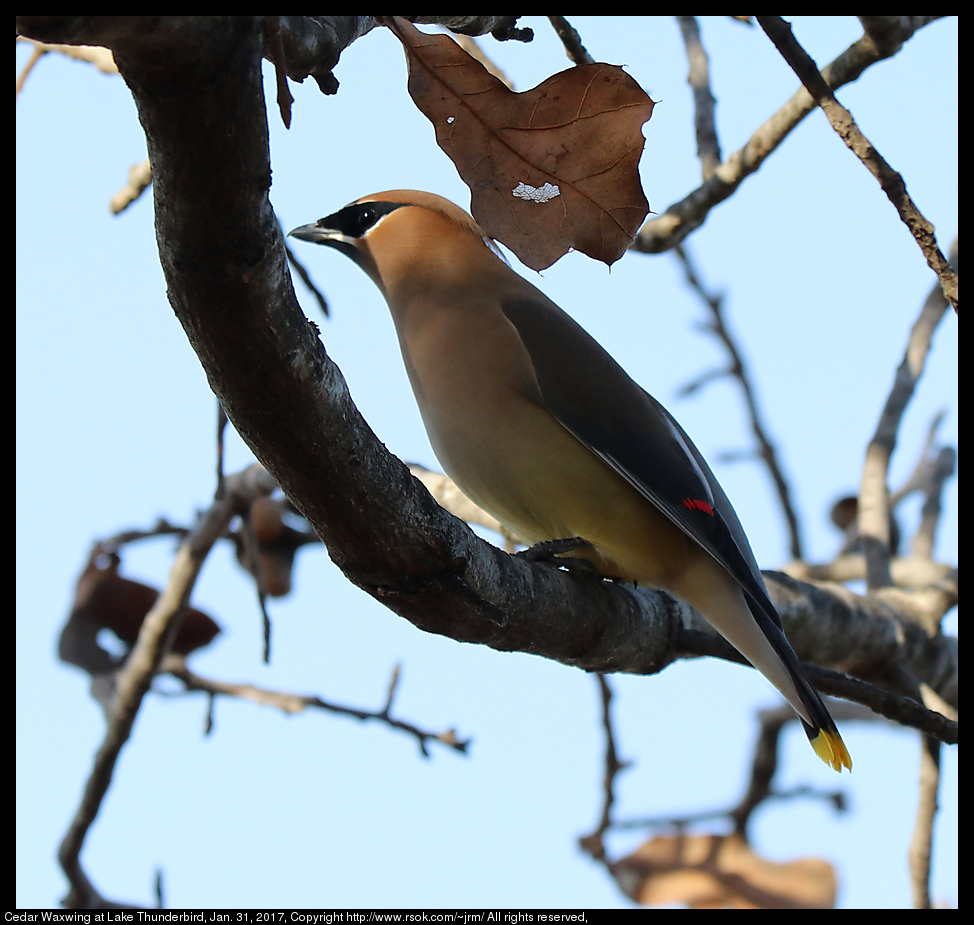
(367, 217)
(357, 220)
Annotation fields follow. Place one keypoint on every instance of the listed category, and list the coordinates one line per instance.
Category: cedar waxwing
(544, 430)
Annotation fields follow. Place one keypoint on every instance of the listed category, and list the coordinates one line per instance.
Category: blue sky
(114, 428)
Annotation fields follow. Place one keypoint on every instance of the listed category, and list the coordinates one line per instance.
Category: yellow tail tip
(831, 749)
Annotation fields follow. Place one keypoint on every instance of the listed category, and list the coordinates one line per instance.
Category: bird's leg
(549, 551)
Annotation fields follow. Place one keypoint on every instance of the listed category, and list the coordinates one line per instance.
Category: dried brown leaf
(549, 169)
(276, 544)
(723, 872)
(106, 600)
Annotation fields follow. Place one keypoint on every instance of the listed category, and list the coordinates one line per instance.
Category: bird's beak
(317, 233)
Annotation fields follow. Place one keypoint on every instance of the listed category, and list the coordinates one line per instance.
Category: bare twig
(760, 788)
(275, 53)
(936, 464)
(472, 47)
(39, 51)
(680, 219)
(297, 703)
(708, 147)
(139, 178)
(738, 370)
(449, 496)
(572, 41)
(908, 571)
(926, 460)
(874, 490)
(299, 268)
(941, 469)
(940, 657)
(162, 528)
(133, 681)
(502, 28)
(593, 843)
(393, 686)
(846, 128)
(765, 763)
(921, 841)
(102, 58)
(221, 431)
(249, 537)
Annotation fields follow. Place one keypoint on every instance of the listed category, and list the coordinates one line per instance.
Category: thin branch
(135, 678)
(162, 528)
(305, 277)
(473, 48)
(139, 178)
(919, 478)
(935, 466)
(450, 497)
(593, 843)
(846, 128)
(221, 433)
(759, 789)
(765, 763)
(680, 219)
(942, 468)
(921, 841)
(874, 488)
(297, 703)
(708, 147)
(256, 567)
(905, 710)
(887, 32)
(40, 49)
(502, 28)
(393, 687)
(739, 371)
(576, 51)
(907, 571)
(100, 57)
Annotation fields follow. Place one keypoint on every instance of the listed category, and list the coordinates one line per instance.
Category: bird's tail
(829, 746)
(818, 725)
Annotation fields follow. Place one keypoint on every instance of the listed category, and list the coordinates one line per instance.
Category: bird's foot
(550, 551)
